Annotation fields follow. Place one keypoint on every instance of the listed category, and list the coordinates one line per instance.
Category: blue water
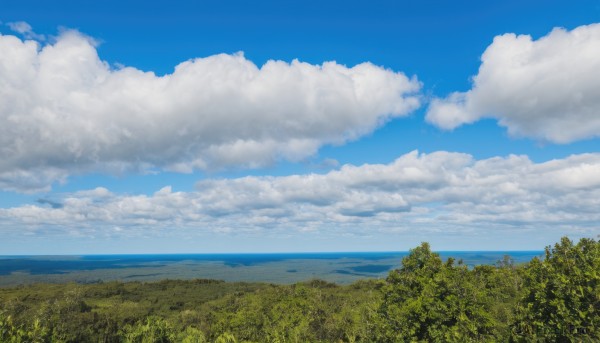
(372, 262)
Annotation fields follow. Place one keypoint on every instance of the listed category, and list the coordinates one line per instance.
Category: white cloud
(441, 192)
(26, 30)
(65, 110)
(547, 89)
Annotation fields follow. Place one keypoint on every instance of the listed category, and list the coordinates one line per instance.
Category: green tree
(155, 330)
(9, 332)
(561, 302)
(191, 335)
(427, 300)
(226, 338)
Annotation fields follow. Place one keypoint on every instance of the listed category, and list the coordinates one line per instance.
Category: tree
(427, 300)
(561, 301)
(226, 338)
(155, 330)
(9, 332)
(191, 335)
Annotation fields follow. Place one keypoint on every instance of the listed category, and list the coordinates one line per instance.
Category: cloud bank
(546, 89)
(63, 110)
(438, 192)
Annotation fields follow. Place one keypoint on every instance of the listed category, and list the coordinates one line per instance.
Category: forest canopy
(426, 299)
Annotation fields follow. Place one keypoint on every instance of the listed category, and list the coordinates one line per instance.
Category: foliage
(9, 332)
(155, 330)
(430, 301)
(561, 301)
(191, 335)
(425, 299)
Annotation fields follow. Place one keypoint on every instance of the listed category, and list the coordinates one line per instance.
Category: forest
(552, 299)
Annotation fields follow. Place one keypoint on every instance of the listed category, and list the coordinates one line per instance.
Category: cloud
(63, 110)
(436, 192)
(547, 89)
(37, 179)
(25, 30)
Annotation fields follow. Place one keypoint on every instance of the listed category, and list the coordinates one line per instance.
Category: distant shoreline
(441, 252)
(280, 268)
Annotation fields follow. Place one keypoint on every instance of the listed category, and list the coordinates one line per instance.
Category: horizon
(273, 253)
(153, 128)
(339, 267)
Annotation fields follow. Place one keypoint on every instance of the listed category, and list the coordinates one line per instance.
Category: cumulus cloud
(547, 89)
(441, 191)
(63, 110)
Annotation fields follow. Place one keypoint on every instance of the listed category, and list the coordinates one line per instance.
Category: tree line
(552, 299)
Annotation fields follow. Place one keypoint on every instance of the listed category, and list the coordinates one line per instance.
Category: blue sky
(232, 126)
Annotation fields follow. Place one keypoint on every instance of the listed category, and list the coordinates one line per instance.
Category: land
(339, 268)
(426, 298)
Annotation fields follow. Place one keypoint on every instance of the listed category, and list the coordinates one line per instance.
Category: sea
(279, 268)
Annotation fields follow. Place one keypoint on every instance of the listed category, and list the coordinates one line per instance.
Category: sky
(300, 126)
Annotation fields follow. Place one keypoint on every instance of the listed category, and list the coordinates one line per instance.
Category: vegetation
(561, 295)
(556, 299)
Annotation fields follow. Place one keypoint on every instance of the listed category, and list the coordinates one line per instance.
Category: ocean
(283, 268)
